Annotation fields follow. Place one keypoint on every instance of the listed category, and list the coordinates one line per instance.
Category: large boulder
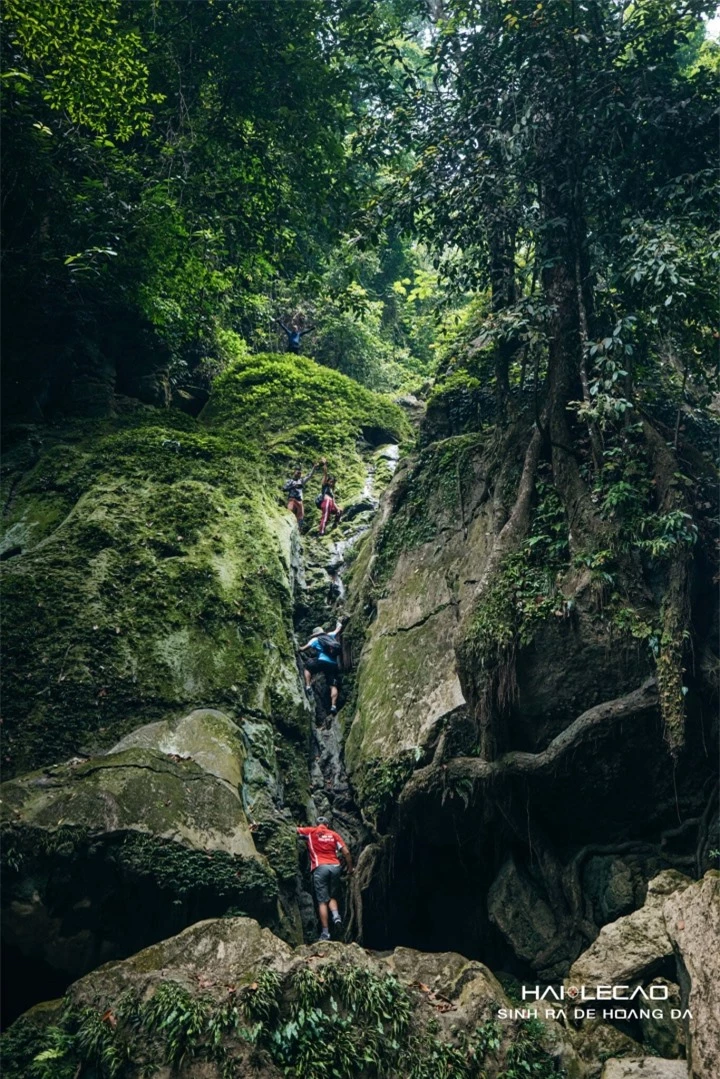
(524, 916)
(149, 564)
(205, 735)
(149, 577)
(103, 855)
(632, 948)
(692, 919)
(677, 928)
(226, 993)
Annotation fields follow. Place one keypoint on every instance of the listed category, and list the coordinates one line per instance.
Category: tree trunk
(565, 356)
(504, 295)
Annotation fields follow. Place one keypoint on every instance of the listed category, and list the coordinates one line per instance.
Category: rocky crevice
(519, 859)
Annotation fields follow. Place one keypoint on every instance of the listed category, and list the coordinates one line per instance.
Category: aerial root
(518, 763)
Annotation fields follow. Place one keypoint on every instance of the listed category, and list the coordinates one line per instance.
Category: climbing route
(320, 594)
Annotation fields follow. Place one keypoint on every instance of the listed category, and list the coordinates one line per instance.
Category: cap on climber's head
(323, 820)
(317, 631)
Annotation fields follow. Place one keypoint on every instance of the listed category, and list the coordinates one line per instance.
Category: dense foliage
(170, 172)
(505, 206)
(564, 172)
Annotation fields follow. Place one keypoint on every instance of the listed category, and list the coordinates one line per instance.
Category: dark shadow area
(70, 909)
(26, 981)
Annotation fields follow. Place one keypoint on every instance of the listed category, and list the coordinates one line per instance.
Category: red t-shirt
(323, 845)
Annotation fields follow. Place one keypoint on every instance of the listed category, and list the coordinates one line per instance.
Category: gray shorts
(325, 882)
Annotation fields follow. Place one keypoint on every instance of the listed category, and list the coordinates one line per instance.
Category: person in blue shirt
(294, 334)
(325, 660)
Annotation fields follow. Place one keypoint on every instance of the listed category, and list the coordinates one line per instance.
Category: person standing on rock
(324, 845)
(326, 649)
(294, 489)
(326, 500)
(295, 335)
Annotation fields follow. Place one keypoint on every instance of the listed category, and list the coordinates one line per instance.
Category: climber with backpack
(326, 652)
(326, 499)
(323, 847)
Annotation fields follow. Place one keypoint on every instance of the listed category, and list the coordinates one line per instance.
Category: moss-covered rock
(149, 567)
(206, 736)
(291, 405)
(633, 947)
(162, 819)
(422, 560)
(163, 586)
(226, 996)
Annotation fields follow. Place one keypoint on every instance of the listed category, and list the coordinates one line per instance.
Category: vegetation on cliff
(502, 210)
(148, 561)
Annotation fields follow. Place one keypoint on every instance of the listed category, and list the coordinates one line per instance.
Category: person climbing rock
(326, 649)
(323, 847)
(294, 489)
(326, 500)
(295, 333)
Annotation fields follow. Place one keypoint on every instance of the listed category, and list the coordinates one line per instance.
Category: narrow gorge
(360, 417)
(160, 591)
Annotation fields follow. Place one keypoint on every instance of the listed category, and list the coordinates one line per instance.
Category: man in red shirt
(323, 847)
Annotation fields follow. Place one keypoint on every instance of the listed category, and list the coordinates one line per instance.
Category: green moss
(295, 405)
(277, 840)
(153, 576)
(292, 761)
(432, 492)
(23, 847)
(524, 591)
(461, 400)
(171, 866)
(245, 881)
(381, 780)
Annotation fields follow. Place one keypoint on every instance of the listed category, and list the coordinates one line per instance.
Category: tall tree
(163, 162)
(568, 149)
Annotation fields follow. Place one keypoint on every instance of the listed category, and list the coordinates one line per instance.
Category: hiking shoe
(309, 691)
(333, 711)
(337, 921)
(325, 935)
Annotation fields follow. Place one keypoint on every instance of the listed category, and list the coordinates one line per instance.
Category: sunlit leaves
(87, 67)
